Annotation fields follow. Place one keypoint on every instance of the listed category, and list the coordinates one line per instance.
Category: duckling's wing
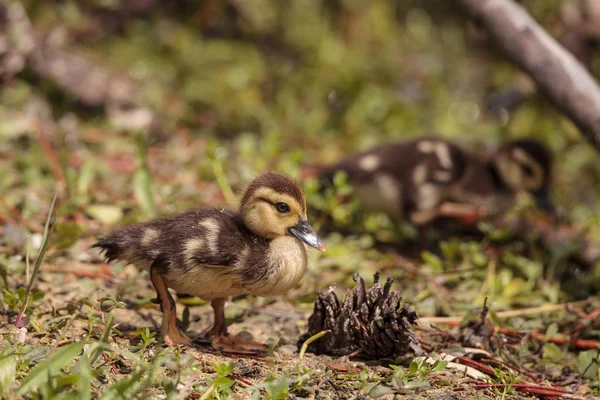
(215, 238)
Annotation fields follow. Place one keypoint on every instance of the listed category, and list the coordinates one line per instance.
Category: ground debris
(479, 332)
(370, 322)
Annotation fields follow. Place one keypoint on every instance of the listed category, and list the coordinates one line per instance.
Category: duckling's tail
(109, 248)
(120, 245)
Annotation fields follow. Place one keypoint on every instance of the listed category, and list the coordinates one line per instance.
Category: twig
(522, 387)
(339, 368)
(456, 320)
(79, 272)
(242, 380)
(578, 343)
(477, 365)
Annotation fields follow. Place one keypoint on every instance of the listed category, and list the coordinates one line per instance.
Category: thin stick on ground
(456, 320)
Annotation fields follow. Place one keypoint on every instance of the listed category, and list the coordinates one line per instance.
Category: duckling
(431, 178)
(217, 253)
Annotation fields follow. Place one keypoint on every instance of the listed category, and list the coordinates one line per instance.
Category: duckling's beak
(542, 199)
(305, 232)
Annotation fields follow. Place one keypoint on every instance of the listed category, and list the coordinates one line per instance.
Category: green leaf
(8, 370)
(37, 295)
(552, 330)
(439, 365)
(84, 378)
(66, 235)
(432, 260)
(49, 367)
(224, 368)
(552, 352)
(417, 385)
(587, 364)
(125, 388)
(380, 390)
(455, 350)
(223, 383)
(415, 364)
(277, 389)
(37, 353)
(107, 214)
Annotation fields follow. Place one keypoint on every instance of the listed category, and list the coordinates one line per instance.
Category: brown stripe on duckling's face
(273, 205)
(526, 165)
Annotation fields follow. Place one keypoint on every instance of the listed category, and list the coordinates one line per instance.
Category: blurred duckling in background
(431, 178)
(218, 253)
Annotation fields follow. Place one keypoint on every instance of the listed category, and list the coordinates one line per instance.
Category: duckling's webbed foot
(172, 335)
(226, 343)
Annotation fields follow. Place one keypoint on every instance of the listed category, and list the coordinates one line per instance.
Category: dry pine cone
(371, 322)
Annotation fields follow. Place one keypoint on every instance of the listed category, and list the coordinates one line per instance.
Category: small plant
(507, 379)
(276, 389)
(148, 338)
(404, 381)
(588, 366)
(220, 385)
(92, 320)
(13, 299)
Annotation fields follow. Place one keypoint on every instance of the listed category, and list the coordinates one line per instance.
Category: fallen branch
(556, 72)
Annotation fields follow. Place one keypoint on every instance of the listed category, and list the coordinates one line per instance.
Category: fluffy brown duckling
(430, 178)
(218, 253)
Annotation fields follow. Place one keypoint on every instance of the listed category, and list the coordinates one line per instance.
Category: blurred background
(133, 109)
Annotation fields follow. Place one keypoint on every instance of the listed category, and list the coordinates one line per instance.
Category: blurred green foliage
(239, 87)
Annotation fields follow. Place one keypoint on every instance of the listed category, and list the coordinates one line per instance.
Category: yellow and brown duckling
(430, 178)
(217, 253)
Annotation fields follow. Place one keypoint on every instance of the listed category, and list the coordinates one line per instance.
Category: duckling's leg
(226, 343)
(172, 335)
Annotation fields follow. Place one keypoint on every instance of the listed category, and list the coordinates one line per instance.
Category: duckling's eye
(527, 170)
(282, 207)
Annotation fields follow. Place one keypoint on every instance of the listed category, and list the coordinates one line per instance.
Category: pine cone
(371, 321)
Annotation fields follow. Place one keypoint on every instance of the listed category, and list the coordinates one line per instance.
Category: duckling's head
(273, 206)
(526, 164)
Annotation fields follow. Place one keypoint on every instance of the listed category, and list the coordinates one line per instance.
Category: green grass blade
(84, 379)
(310, 340)
(125, 388)
(8, 370)
(38, 376)
(40, 257)
(104, 342)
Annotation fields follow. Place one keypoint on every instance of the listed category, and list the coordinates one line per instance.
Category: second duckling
(430, 178)
(218, 253)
